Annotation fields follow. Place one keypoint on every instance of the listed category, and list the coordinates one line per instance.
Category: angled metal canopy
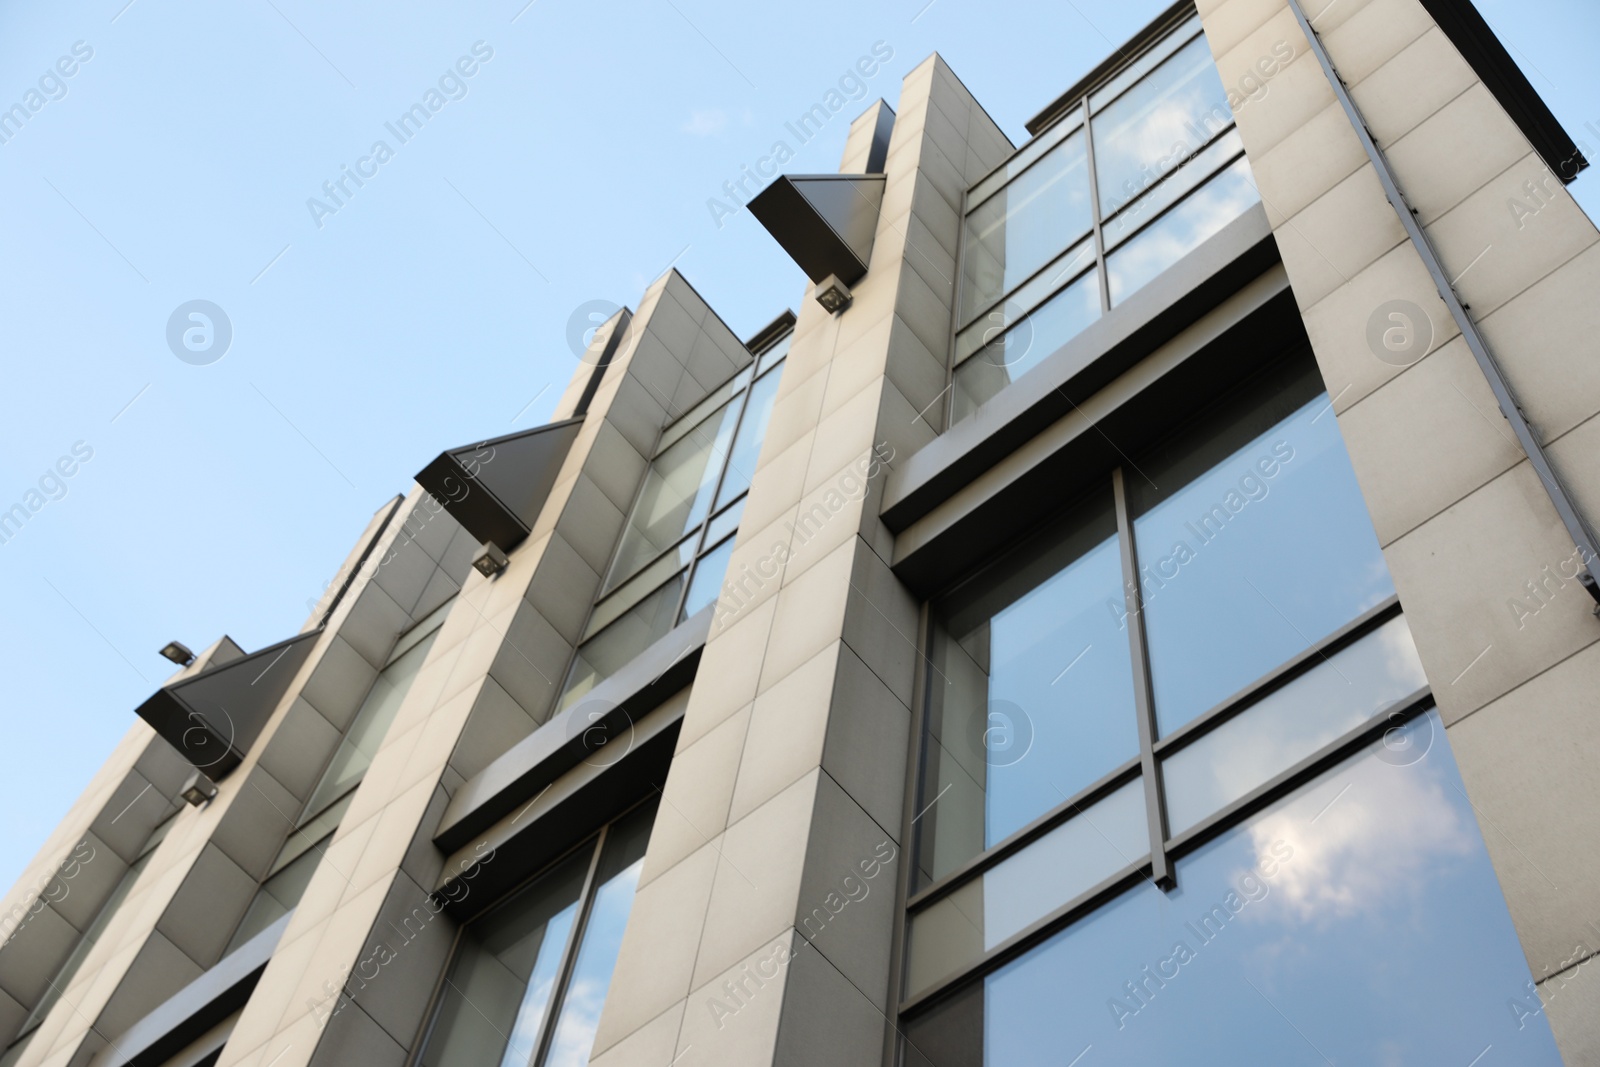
(212, 718)
(496, 488)
(826, 222)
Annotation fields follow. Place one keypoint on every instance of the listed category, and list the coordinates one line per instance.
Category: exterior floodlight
(489, 561)
(198, 789)
(833, 294)
(178, 653)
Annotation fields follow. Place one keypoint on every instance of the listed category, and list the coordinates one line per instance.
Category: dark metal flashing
(1489, 60)
(1227, 263)
(769, 334)
(496, 488)
(212, 718)
(1578, 528)
(355, 569)
(878, 153)
(573, 736)
(185, 1016)
(1113, 65)
(826, 222)
(618, 333)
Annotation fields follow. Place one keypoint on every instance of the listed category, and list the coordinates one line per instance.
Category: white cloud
(706, 123)
(1374, 847)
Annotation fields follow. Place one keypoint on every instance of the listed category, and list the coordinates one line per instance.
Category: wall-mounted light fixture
(833, 295)
(198, 789)
(178, 653)
(490, 561)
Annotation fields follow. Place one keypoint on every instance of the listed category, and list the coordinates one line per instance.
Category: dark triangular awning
(212, 718)
(826, 222)
(495, 488)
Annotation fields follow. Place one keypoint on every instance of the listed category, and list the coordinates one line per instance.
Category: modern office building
(1140, 610)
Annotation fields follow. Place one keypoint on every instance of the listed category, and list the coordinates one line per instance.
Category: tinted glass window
(1356, 922)
(530, 978)
(1032, 694)
(1253, 543)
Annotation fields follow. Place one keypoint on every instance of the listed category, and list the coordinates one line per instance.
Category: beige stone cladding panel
(1526, 760)
(777, 835)
(489, 680)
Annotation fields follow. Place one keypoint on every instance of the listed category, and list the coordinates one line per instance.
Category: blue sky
(431, 309)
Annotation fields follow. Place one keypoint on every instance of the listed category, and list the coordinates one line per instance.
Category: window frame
(1078, 117)
(1165, 847)
(595, 842)
(760, 366)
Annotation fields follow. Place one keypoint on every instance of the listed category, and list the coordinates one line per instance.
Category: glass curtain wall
(1196, 688)
(529, 978)
(1138, 175)
(674, 550)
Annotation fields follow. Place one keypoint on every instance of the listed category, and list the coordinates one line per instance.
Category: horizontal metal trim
(772, 332)
(1062, 813)
(556, 747)
(1178, 297)
(1397, 714)
(1282, 675)
(1023, 941)
(185, 1016)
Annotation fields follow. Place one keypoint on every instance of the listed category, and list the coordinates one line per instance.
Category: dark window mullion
(1094, 212)
(1161, 871)
(956, 325)
(743, 400)
(569, 955)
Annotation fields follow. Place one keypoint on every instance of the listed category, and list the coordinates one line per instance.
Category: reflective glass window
(1031, 692)
(707, 584)
(1093, 845)
(1343, 691)
(741, 466)
(615, 882)
(1180, 231)
(530, 978)
(1020, 348)
(1188, 177)
(1356, 921)
(1025, 225)
(693, 496)
(1169, 173)
(1157, 124)
(677, 492)
(505, 969)
(1253, 542)
(367, 730)
(614, 647)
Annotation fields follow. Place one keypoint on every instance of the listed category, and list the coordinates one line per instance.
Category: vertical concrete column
(762, 929)
(1482, 563)
(358, 963)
